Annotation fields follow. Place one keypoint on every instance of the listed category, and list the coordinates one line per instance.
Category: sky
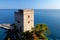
(29, 4)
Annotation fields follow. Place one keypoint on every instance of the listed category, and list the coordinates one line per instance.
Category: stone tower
(24, 19)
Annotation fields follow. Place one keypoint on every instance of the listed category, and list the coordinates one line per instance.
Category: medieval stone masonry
(24, 19)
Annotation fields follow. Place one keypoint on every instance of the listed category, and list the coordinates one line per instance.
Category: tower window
(28, 21)
(18, 21)
(28, 16)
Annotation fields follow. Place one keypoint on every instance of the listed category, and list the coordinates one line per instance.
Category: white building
(24, 20)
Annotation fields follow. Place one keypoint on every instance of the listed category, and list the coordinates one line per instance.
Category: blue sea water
(51, 17)
(2, 33)
(7, 16)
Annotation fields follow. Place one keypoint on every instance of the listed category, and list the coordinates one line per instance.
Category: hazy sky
(35, 4)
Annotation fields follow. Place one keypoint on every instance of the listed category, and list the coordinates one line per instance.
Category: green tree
(15, 32)
(8, 36)
(37, 33)
(42, 30)
(12, 34)
(26, 36)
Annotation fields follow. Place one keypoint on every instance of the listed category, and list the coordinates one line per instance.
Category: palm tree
(37, 33)
(12, 34)
(9, 35)
(26, 36)
(42, 30)
(15, 32)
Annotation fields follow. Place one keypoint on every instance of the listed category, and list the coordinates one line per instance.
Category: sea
(50, 17)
